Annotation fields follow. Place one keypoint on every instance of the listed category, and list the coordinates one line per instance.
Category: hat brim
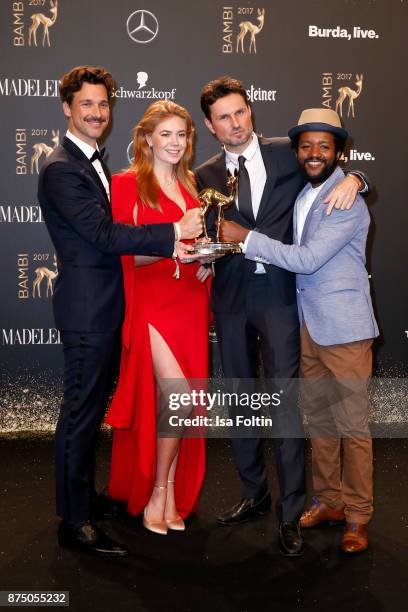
(317, 127)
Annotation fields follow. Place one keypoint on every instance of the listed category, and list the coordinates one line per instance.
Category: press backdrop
(291, 55)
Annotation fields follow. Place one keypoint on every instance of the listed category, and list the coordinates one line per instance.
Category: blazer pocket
(340, 284)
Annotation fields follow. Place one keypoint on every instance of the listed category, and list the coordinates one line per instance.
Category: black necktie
(97, 154)
(244, 192)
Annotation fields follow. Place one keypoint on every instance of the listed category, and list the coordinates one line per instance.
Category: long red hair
(142, 165)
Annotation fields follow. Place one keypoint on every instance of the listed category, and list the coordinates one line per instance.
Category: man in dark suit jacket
(88, 300)
(256, 303)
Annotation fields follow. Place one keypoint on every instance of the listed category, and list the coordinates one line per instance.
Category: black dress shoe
(90, 539)
(104, 507)
(290, 539)
(245, 510)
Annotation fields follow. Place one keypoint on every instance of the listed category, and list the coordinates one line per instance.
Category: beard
(327, 170)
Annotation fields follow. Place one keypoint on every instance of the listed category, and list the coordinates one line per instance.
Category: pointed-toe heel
(159, 527)
(176, 524)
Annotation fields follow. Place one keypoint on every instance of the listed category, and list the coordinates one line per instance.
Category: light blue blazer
(332, 283)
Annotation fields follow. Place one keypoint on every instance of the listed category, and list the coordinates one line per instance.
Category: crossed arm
(68, 192)
(333, 234)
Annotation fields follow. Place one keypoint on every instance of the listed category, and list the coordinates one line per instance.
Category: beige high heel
(175, 524)
(159, 527)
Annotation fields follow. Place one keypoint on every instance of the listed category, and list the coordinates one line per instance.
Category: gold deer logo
(38, 19)
(50, 275)
(41, 148)
(351, 94)
(253, 29)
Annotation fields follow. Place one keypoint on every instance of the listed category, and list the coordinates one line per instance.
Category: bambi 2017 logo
(342, 99)
(241, 27)
(33, 28)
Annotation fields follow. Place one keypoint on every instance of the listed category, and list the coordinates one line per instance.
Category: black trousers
(90, 364)
(267, 325)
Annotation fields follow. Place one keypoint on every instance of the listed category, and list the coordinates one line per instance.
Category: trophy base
(216, 248)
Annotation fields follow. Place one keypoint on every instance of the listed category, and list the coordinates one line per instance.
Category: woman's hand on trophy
(229, 231)
(203, 273)
(191, 225)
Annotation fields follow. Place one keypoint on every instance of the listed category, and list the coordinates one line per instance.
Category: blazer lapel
(88, 167)
(295, 213)
(99, 182)
(271, 174)
(107, 171)
(337, 175)
(220, 170)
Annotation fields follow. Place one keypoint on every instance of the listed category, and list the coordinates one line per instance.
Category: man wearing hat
(255, 305)
(337, 326)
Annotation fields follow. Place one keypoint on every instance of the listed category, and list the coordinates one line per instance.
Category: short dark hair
(339, 143)
(214, 90)
(73, 80)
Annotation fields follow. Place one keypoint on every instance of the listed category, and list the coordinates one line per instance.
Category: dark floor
(208, 568)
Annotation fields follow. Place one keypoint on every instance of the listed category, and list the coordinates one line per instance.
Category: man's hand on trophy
(191, 225)
(203, 240)
(229, 231)
(183, 252)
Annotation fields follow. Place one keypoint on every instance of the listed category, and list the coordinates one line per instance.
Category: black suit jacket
(283, 183)
(88, 292)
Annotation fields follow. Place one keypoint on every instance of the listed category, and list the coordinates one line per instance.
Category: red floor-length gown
(179, 311)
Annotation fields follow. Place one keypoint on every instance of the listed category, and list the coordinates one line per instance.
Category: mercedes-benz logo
(142, 26)
(129, 152)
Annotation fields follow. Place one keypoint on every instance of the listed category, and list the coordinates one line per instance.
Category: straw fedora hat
(318, 120)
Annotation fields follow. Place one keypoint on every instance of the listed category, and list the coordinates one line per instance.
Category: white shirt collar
(88, 151)
(313, 191)
(248, 153)
(86, 148)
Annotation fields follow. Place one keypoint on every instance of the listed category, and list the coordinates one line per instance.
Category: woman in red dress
(165, 331)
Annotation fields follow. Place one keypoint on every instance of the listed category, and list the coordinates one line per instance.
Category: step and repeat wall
(348, 55)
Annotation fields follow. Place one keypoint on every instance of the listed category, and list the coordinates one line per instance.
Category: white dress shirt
(257, 176)
(303, 205)
(88, 151)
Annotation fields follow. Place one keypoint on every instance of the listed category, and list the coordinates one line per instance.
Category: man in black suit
(255, 304)
(88, 300)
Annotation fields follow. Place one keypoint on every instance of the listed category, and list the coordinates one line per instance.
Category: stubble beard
(231, 144)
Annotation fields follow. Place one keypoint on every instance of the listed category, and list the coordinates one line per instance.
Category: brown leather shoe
(355, 538)
(319, 512)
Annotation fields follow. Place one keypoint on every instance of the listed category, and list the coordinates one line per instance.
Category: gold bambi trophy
(211, 197)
